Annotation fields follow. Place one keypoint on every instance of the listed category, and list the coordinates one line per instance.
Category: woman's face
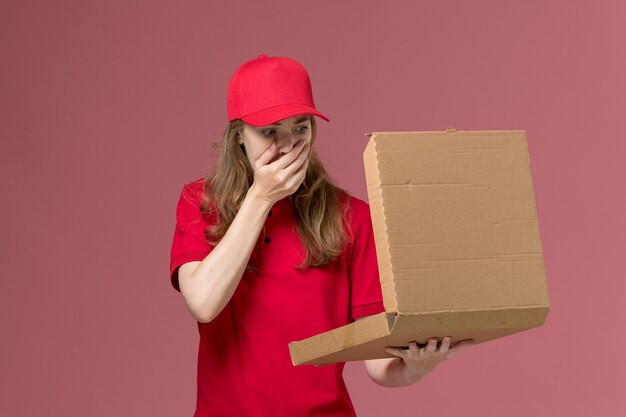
(286, 133)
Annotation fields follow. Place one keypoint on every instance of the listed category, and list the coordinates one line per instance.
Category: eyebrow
(302, 119)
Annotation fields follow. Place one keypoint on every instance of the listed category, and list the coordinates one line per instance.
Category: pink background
(108, 108)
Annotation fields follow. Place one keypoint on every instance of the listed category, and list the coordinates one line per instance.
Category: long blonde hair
(320, 206)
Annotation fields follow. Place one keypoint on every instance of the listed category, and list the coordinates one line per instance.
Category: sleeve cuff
(367, 310)
(180, 260)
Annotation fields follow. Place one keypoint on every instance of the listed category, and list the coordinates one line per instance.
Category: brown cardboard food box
(457, 242)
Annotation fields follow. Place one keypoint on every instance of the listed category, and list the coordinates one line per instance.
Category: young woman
(267, 250)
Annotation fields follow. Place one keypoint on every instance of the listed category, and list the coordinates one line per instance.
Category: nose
(286, 142)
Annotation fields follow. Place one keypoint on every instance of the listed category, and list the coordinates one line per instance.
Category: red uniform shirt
(244, 365)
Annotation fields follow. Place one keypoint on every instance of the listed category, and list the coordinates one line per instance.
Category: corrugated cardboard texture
(367, 338)
(458, 211)
(457, 241)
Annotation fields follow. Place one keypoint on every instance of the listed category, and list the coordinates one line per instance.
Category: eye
(302, 129)
(268, 132)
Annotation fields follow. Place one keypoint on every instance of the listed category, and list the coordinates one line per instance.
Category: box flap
(454, 220)
(350, 339)
(367, 338)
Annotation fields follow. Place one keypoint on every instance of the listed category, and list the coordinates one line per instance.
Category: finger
(413, 348)
(462, 345)
(298, 176)
(300, 160)
(304, 165)
(266, 156)
(290, 156)
(445, 345)
(296, 179)
(396, 352)
(432, 345)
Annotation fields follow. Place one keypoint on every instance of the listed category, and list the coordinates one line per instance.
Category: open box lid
(457, 242)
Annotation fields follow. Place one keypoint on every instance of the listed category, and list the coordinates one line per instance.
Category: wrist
(258, 200)
(413, 375)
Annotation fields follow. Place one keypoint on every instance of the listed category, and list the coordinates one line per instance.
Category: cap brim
(274, 114)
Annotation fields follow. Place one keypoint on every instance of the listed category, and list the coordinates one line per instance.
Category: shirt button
(267, 240)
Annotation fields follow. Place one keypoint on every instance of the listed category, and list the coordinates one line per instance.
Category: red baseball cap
(267, 89)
